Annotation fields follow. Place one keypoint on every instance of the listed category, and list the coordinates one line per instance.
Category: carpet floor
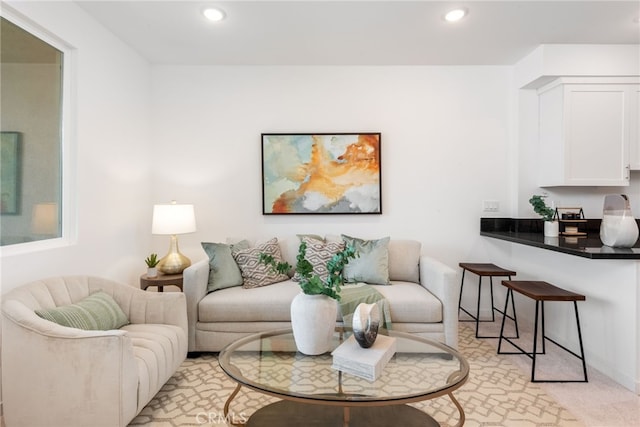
(497, 394)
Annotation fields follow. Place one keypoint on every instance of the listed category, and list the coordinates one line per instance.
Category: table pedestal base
(293, 414)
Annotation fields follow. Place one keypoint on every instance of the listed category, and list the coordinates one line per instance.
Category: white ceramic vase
(152, 272)
(313, 319)
(551, 228)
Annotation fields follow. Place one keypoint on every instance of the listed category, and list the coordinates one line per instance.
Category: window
(32, 109)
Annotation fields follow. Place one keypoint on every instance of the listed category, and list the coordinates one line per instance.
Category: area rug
(496, 394)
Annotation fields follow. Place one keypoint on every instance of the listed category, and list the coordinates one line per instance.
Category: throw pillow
(372, 262)
(97, 312)
(404, 260)
(254, 273)
(318, 254)
(223, 270)
(312, 236)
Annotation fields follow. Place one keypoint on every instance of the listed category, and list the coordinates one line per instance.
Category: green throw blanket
(352, 295)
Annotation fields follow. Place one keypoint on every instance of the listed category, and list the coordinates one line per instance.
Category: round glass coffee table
(315, 394)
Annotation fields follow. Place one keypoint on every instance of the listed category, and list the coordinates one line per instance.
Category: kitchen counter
(530, 232)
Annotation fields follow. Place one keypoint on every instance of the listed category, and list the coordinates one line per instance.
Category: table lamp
(173, 219)
(44, 219)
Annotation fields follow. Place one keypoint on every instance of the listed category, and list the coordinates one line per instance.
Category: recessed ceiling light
(213, 14)
(455, 15)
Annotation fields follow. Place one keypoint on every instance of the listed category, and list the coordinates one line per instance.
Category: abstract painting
(10, 172)
(321, 173)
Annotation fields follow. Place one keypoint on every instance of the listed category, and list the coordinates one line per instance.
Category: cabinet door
(634, 127)
(595, 135)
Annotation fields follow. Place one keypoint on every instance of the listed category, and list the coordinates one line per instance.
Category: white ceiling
(361, 32)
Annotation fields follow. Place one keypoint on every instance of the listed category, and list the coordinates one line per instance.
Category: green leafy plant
(310, 283)
(541, 208)
(152, 260)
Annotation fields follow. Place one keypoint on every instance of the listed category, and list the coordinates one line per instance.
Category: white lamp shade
(173, 219)
(44, 218)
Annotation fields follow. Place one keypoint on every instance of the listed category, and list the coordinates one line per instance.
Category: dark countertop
(530, 232)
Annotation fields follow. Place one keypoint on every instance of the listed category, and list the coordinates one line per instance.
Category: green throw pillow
(97, 312)
(372, 262)
(223, 269)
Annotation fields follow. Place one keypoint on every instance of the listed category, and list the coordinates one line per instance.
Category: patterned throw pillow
(318, 254)
(371, 265)
(97, 312)
(254, 273)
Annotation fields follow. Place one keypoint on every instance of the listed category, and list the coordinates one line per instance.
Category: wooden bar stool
(483, 270)
(541, 292)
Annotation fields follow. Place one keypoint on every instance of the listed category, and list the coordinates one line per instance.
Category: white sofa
(54, 375)
(422, 296)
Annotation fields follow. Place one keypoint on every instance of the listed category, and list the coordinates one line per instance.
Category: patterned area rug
(496, 394)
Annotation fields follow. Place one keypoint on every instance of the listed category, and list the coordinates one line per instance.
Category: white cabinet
(585, 131)
(634, 129)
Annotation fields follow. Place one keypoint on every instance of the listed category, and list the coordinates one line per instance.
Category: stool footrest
(476, 320)
(529, 354)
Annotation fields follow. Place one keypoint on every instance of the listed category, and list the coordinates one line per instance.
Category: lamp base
(173, 262)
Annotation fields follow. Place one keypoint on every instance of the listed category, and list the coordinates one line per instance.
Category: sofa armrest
(195, 280)
(168, 308)
(441, 281)
(98, 388)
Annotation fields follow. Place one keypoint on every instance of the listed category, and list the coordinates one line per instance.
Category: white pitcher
(619, 228)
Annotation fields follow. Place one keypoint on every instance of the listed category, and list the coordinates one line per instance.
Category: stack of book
(366, 363)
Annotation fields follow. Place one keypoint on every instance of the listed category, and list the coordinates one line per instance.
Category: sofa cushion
(264, 304)
(411, 303)
(408, 303)
(318, 253)
(371, 264)
(223, 269)
(255, 273)
(98, 311)
(158, 351)
(404, 260)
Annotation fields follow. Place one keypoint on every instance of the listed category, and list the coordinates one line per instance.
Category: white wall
(549, 61)
(445, 146)
(451, 137)
(111, 96)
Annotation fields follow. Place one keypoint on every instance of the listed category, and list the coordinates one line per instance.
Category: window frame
(68, 200)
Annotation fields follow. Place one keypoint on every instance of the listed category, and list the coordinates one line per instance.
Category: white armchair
(56, 375)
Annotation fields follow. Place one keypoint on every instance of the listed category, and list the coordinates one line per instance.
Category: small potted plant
(551, 226)
(316, 301)
(152, 262)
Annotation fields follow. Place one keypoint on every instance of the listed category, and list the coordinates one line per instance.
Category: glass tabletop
(269, 362)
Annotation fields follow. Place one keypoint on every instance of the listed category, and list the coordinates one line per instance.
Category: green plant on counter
(312, 284)
(152, 260)
(541, 208)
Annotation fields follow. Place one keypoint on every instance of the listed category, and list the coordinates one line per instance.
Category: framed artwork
(10, 173)
(321, 173)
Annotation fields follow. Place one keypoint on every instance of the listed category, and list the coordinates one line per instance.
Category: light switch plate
(490, 206)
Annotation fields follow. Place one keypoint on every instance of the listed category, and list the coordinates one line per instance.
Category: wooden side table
(161, 281)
